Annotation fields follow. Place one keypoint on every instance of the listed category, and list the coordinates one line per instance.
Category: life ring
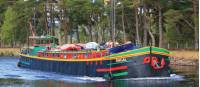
(146, 60)
(155, 65)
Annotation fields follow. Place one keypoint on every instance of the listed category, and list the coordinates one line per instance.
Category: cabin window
(86, 55)
(69, 56)
(55, 55)
(42, 54)
(98, 54)
(78, 56)
(93, 54)
(74, 55)
(50, 55)
(46, 55)
(58, 55)
(83, 55)
(61, 56)
(65, 56)
(89, 55)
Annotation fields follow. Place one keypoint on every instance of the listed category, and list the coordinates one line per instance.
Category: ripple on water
(172, 77)
(12, 76)
(42, 77)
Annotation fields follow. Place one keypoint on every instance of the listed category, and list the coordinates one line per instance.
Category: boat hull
(131, 67)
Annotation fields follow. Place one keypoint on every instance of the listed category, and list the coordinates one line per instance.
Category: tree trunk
(123, 26)
(77, 33)
(63, 32)
(51, 19)
(45, 19)
(113, 21)
(87, 33)
(100, 30)
(103, 35)
(160, 22)
(97, 36)
(196, 29)
(137, 27)
(91, 36)
(71, 39)
(0, 43)
(31, 28)
(153, 41)
(145, 27)
(65, 28)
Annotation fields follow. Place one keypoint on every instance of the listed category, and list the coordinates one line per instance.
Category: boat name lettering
(121, 60)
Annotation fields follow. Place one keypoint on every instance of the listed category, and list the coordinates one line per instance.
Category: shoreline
(184, 61)
(185, 57)
(186, 54)
(9, 52)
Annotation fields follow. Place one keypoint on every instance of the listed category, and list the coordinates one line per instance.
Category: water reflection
(117, 83)
(11, 82)
(12, 76)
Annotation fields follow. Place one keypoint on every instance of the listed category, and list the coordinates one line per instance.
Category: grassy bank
(185, 57)
(186, 54)
(9, 51)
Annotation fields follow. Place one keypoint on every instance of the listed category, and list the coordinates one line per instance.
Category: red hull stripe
(112, 69)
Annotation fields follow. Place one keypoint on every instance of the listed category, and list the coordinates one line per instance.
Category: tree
(195, 17)
(9, 26)
(143, 21)
(160, 23)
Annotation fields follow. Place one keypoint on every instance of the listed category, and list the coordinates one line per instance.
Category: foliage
(89, 21)
(9, 25)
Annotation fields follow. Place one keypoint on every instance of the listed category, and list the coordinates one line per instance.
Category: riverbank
(185, 57)
(186, 54)
(9, 51)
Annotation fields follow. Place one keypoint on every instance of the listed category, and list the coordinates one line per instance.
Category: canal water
(13, 76)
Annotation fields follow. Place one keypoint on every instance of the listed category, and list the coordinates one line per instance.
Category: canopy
(70, 47)
(91, 45)
(81, 45)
